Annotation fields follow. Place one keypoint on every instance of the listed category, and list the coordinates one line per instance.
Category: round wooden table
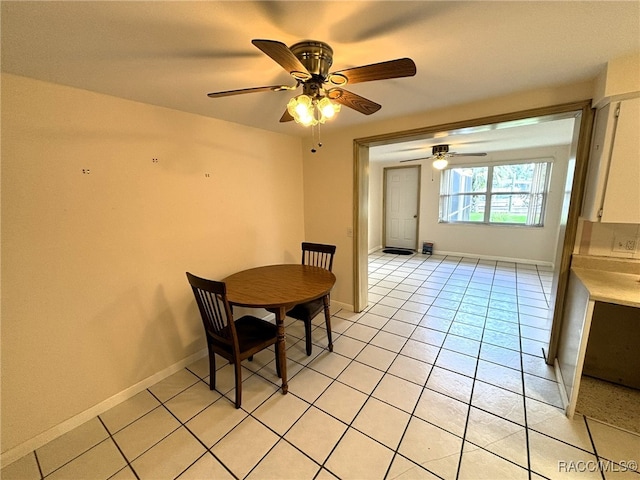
(279, 288)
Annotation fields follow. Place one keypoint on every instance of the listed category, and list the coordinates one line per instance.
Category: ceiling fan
(440, 154)
(308, 62)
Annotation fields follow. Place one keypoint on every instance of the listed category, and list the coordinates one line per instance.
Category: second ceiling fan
(441, 154)
(308, 62)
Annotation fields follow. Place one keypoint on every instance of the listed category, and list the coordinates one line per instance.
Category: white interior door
(402, 199)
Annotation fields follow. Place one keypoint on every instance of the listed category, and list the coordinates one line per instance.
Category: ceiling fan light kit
(440, 163)
(308, 63)
(441, 154)
(310, 111)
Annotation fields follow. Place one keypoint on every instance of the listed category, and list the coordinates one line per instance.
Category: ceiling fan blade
(227, 93)
(453, 154)
(286, 117)
(416, 159)
(402, 67)
(351, 100)
(284, 57)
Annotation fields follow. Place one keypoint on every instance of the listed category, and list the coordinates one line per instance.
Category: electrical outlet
(626, 244)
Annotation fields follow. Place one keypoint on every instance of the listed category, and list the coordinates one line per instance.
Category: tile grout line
(396, 452)
(207, 449)
(477, 358)
(119, 450)
(281, 437)
(473, 384)
(433, 365)
(370, 395)
(524, 391)
(35, 454)
(593, 444)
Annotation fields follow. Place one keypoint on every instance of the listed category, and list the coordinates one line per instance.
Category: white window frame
(538, 193)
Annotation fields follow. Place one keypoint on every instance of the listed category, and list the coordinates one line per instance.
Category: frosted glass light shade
(309, 111)
(440, 163)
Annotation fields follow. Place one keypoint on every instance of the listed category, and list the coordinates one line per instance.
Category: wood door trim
(361, 190)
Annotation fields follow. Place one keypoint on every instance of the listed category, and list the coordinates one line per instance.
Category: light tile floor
(442, 377)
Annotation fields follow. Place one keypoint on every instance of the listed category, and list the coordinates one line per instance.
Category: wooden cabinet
(613, 185)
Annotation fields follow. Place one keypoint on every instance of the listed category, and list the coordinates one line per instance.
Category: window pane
(464, 208)
(512, 178)
(535, 210)
(516, 195)
(509, 208)
(467, 180)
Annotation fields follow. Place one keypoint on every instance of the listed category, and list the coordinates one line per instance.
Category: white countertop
(611, 281)
(611, 287)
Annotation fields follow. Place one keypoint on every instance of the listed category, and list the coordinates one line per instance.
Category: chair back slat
(214, 313)
(318, 255)
(211, 297)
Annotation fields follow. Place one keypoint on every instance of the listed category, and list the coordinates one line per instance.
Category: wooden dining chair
(319, 255)
(234, 340)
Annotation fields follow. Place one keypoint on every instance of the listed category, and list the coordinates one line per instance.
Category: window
(508, 194)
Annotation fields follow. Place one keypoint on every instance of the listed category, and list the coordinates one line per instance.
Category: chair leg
(238, 369)
(307, 334)
(212, 370)
(327, 320)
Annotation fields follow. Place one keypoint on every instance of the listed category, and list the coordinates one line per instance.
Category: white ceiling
(172, 53)
(551, 130)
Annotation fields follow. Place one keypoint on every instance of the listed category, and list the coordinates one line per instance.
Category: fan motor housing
(440, 149)
(317, 57)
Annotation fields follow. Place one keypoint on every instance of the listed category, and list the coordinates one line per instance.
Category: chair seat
(252, 333)
(309, 310)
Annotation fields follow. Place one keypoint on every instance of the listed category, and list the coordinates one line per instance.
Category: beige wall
(94, 296)
(620, 79)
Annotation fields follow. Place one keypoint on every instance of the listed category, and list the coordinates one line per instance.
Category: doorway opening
(570, 209)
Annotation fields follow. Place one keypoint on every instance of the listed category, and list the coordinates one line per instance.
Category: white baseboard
(38, 441)
(443, 253)
(340, 305)
(496, 258)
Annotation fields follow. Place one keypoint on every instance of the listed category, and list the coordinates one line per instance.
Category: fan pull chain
(313, 138)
